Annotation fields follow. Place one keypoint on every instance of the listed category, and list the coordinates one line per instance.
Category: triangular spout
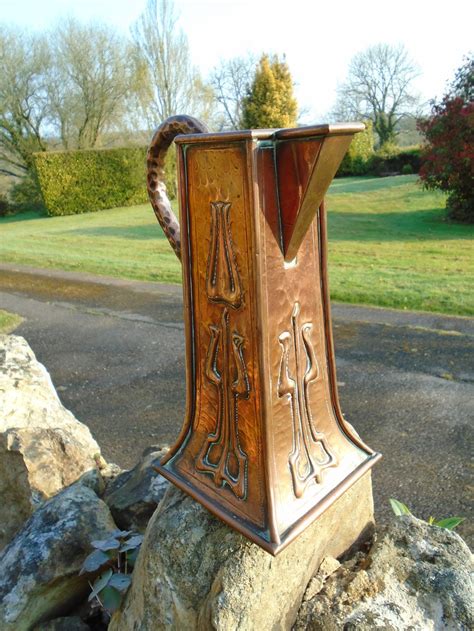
(307, 159)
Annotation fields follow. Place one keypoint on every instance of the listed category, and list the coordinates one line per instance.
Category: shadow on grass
(414, 225)
(24, 216)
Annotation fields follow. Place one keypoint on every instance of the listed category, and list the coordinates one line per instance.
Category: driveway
(115, 351)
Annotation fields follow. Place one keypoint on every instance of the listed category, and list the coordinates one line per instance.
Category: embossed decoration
(222, 455)
(223, 281)
(311, 453)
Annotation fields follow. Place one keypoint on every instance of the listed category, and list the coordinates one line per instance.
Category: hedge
(74, 182)
(357, 159)
(396, 160)
(389, 160)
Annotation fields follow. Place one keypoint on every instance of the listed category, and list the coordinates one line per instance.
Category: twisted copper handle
(164, 136)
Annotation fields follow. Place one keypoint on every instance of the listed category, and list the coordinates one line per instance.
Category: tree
(379, 88)
(231, 81)
(170, 85)
(270, 102)
(89, 83)
(23, 100)
(448, 158)
(65, 89)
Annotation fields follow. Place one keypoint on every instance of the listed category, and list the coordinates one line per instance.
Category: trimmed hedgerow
(74, 182)
(361, 159)
(392, 159)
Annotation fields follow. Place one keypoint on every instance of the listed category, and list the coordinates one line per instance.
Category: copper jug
(264, 445)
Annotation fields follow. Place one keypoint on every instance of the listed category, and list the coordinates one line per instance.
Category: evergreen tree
(270, 101)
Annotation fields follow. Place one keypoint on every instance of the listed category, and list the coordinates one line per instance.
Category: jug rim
(307, 131)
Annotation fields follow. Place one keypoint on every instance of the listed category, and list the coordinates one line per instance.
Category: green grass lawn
(9, 321)
(389, 245)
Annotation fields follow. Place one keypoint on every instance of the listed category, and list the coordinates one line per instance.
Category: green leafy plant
(450, 523)
(110, 565)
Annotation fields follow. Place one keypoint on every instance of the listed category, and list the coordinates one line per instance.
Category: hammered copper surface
(264, 445)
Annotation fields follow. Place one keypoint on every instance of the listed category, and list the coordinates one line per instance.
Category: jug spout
(307, 159)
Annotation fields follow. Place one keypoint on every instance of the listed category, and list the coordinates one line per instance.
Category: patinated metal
(264, 444)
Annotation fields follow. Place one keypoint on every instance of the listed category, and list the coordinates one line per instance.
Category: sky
(318, 38)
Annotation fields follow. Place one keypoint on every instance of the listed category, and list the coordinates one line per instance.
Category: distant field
(388, 243)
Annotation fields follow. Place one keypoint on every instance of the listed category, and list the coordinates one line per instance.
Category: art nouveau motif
(223, 281)
(311, 453)
(222, 455)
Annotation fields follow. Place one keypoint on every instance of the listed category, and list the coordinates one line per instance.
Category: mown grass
(389, 245)
(122, 242)
(9, 321)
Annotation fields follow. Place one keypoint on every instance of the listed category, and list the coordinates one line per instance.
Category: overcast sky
(318, 38)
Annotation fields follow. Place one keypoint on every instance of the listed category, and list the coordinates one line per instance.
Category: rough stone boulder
(39, 569)
(416, 577)
(43, 448)
(73, 623)
(194, 572)
(134, 495)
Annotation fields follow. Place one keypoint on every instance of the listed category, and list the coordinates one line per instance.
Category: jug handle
(162, 139)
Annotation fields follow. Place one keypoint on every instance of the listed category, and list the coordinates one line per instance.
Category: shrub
(407, 169)
(358, 157)
(4, 205)
(448, 158)
(26, 194)
(23, 196)
(73, 182)
(390, 159)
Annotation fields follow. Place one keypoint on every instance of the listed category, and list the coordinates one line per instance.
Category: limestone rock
(328, 566)
(39, 569)
(416, 577)
(194, 572)
(134, 495)
(43, 448)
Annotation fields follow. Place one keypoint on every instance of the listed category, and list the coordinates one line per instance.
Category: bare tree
(378, 87)
(23, 103)
(89, 82)
(231, 80)
(170, 84)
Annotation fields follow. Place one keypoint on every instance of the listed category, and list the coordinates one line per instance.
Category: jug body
(264, 444)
